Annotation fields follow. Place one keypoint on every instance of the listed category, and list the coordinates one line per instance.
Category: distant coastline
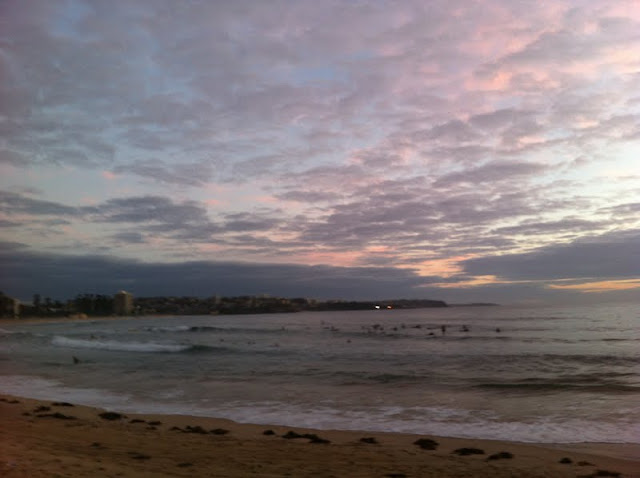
(103, 306)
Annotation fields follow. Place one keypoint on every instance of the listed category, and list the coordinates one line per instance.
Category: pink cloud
(498, 81)
(624, 9)
(213, 202)
(267, 199)
(444, 267)
(336, 258)
(601, 286)
(476, 281)
(210, 248)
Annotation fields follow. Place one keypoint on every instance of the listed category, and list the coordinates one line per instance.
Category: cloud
(7, 223)
(566, 225)
(145, 209)
(613, 255)
(191, 174)
(14, 203)
(498, 119)
(168, 77)
(432, 130)
(307, 196)
(13, 158)
(577, 44)
(129, 238)
(492, 172)
(249, 222)
(135, 209)
(60, 276)
(600, 286)
(454, 131)
(623, 210)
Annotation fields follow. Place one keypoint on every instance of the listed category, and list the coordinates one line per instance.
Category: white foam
(439, 421)
(173, 328)
(115, 345)
(431, 420)
(45, 389)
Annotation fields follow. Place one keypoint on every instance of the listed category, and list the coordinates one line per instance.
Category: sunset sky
(482, 150)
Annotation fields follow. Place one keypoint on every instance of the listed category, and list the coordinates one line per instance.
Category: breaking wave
(558, 386)
(115, 345)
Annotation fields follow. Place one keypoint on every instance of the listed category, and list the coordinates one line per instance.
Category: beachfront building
(9, 307)
(123, 303)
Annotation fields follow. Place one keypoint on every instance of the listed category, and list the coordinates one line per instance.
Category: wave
(345, 378)
(209, 328)
(608, 360)
(533, 318)
(438, 421)
(560, 386)
(169, 328)
(115, 345)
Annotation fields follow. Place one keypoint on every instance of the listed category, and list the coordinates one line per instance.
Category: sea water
(565, 374)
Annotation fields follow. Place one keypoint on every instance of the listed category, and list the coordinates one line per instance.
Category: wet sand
(50, 439)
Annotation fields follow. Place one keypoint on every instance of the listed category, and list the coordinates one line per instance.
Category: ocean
(557, 374)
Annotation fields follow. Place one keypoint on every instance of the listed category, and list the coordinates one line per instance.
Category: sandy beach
(56, 439)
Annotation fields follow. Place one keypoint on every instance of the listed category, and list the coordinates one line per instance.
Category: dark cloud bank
(610, 256)
(615, 256)
(62, 276)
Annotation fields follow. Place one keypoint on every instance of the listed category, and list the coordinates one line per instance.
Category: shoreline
(42, 438)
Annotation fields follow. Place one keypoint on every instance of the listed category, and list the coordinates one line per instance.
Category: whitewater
(561, 374)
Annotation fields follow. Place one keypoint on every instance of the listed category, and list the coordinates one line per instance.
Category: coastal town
(124, 303)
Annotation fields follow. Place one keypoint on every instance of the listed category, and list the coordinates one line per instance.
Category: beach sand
(40, 439)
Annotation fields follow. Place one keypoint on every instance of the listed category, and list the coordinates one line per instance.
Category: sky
(476, 150)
